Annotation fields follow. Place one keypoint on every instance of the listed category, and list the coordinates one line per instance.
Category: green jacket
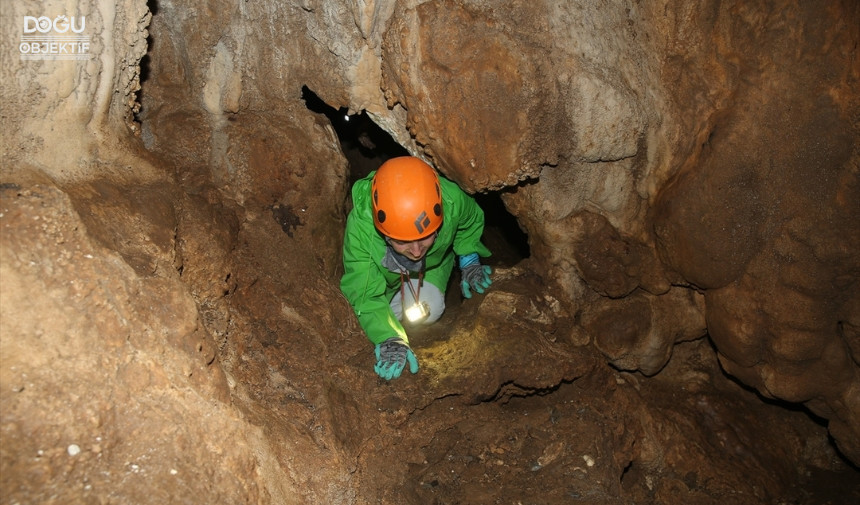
(369, 286)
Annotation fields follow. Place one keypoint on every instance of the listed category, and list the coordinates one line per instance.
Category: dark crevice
(502, 232)
(145, 61)
(365, 145)
(145, 64)
(626, 470)
(510, 389)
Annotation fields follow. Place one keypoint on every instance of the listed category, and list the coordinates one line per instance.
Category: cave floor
(508, 409)
(510, 406)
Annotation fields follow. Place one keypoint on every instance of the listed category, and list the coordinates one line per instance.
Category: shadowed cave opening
(366, 146)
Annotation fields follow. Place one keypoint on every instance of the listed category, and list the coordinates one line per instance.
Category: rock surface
(171, 215)
(105, 374)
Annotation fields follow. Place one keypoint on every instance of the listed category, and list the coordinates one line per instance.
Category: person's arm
(468, 247)
(363, 284)
(470, 222)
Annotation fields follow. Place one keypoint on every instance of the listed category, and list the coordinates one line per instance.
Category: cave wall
(110, 385)
(779, 269)
(681, 170)
(53, 109)
(710, 147)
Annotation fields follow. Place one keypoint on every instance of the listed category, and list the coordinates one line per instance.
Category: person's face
(413, 249)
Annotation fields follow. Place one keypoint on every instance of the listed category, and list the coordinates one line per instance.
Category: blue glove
(391, 358)
(475, 277)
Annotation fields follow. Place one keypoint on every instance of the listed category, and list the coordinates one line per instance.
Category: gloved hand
(474, 276)
(391, 358)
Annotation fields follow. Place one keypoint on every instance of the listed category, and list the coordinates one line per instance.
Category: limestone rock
(114, 363)
(171, 236)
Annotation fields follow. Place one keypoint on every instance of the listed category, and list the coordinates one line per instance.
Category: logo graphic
(422, 222)
(60, 38)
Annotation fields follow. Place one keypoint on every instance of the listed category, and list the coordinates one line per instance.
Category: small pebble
(73, 450)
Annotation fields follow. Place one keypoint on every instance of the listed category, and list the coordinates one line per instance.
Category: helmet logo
(422, 222)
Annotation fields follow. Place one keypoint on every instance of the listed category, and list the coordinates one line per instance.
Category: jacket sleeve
(364, 285)
(470, 223)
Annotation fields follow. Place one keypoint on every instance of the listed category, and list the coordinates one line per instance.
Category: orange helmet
(407, 199)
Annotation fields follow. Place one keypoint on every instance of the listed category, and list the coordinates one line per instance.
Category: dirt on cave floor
(510, 408)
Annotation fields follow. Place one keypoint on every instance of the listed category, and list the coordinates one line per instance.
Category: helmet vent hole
(380, 216)
(437, 209)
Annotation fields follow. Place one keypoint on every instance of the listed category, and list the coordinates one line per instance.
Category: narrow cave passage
(366, 146)
(206, 352)
(502, 232)
(505, 402)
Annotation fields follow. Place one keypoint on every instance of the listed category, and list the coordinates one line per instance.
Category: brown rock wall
(53, 109)
(680, 169)
(106, 376)
(768, 224)
(495, 95)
